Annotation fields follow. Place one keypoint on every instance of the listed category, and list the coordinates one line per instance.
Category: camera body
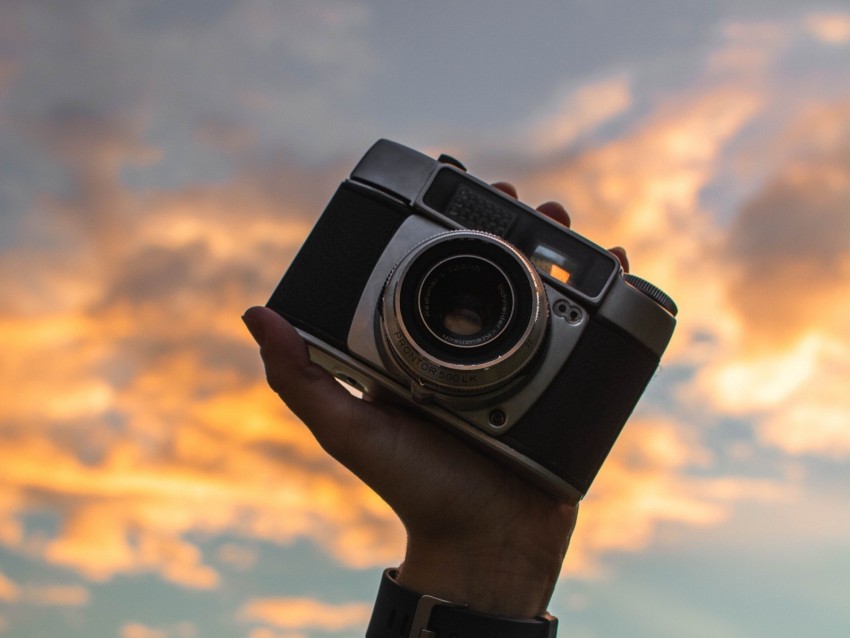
(421, 282)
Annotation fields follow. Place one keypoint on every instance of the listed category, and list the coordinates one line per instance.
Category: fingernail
(255, 328)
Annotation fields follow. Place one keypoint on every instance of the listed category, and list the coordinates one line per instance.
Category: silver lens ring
(466, 362)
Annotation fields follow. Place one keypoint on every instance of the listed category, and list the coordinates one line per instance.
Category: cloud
(787, 271)
(143, 392)
(577, 112)
(128, 512)
(642, 485)
(137, 630)
(762, 286)
(265, 632)
(238, 556)
(43, 595)
(60, 595)
(8, 590)
(85, 533)
(829, 28)
(643, 190)
(177, 630)
(306, 613)
(10, 530)
(657, 480)
(748, 49)
(788, 246)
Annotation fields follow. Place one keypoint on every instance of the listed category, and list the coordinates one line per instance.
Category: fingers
(555, 211)
(620, 253)
(507, 188)
(364, 436)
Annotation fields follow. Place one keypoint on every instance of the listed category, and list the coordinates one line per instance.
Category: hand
(477, 533)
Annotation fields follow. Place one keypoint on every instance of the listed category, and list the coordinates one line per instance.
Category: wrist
(401, 612)
(514, 577)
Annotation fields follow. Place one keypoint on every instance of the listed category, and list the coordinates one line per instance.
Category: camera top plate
(443, 191)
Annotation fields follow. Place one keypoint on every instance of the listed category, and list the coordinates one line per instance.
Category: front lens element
(466, 301)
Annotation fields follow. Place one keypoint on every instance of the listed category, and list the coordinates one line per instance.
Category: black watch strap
(403, 613)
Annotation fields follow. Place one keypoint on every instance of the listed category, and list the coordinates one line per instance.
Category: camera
(423, 283)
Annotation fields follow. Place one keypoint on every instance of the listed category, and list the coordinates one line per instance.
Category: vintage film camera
(506, 327)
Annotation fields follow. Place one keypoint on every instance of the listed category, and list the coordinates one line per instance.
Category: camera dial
(463, 313)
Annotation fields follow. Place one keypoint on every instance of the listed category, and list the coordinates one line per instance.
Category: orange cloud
(645, 484)
(139, 630)
(788, 247)
(238, 556)
(748, 49)
(764, 310)
(787, 272)
(140, 389)
(129, 513)
(59, 595)
(829, 28)
(265, 632)
(643, 191)
(8, 590)
(43, 595)
(578, 112)
(10, 530)
(640, 486)
(306, 613)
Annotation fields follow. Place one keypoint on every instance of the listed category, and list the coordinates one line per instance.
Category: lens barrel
(463, 313)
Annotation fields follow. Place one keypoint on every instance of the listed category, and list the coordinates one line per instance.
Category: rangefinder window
(552, 263)
(588, 275)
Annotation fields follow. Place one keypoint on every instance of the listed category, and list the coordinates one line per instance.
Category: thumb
(308, 390)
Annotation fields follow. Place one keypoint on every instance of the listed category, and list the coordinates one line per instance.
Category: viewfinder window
(552, 263)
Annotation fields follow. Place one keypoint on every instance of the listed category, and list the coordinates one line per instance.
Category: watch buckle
(426, 604)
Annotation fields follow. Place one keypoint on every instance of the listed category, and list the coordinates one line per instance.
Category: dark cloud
(789, 248)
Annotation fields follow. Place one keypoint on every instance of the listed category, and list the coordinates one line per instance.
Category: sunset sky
(160, 163)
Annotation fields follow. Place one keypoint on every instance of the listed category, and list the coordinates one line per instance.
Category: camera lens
(466, 301)
(464, 312)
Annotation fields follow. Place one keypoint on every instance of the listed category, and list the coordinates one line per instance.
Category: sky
(160, 164)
